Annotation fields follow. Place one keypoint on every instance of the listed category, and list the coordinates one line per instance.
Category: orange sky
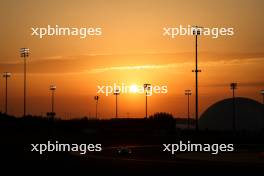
(132, 37)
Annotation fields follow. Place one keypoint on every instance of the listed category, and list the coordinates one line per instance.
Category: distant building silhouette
(219, 116)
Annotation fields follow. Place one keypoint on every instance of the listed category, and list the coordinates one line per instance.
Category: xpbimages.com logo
(189, 30)
(147, 89)
(62, 147)
(57, 30)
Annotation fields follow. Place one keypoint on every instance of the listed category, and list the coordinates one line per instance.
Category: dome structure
(219, 116)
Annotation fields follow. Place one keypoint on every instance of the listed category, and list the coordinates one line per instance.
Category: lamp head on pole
(117, 91)
(233, 85)
(96, 97)
(24, 52)
(7, 74)
(188, 92)
(147, 86)
(197, 30)
(53, 87)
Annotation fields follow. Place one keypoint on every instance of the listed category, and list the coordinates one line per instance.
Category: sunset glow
(131, 50)
(134, 88)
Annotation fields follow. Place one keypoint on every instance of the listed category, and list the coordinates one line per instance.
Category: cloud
(137, 67)
(241, 84)
(175, 65)
(100, 63)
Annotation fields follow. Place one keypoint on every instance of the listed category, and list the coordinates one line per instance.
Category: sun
(133, 88)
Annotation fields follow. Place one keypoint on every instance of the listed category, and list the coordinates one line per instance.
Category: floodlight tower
(116, 93)
(188, 93)
(196, 32)
(24, 53)
(233, 86)
(6, 75)
(147, 88)
(96, 98)
(52, 89)
(262, 93)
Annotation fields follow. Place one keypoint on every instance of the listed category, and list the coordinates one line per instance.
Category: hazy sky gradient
(132, 39)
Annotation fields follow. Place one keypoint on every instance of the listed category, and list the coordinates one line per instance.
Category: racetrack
(151, 159)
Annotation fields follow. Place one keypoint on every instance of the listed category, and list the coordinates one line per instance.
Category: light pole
(6, 75)
(116, 93)
(196, 32)
(96, 98)
(24, 53)
(188, 93)
(233, 86)
(52, 89)
(262, 93)
(147, 88)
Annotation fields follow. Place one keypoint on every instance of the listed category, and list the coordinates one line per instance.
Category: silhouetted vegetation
(17, 135)
(163, 120)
